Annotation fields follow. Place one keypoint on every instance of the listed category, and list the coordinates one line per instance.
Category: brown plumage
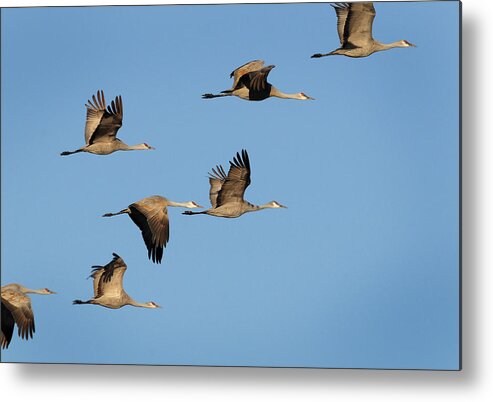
(102, 125)
(108, 286)
(151, 216)
(227, 191)
(354, 27)
(17, 309)
(250, 83)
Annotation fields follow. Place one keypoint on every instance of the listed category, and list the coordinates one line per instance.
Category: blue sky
(360, 271)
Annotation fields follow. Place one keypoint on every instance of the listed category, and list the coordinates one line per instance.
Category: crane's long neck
(253, 208)
(279, 94)
(179, 204)
(264, 206)
(36, 291)
(134, 303)
(125, 147)
(378, 46)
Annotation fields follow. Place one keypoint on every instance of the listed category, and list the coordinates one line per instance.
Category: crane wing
(153, 222)
(94, 114)
(237, 181)
(7, 327)
(19, 306)
(97, 271)
(109, 278)
(105, 121)
(342, 10)
(216, 180)
(245, 69)
(359, 24)
(256, 82)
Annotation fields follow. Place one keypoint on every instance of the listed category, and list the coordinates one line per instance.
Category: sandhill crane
(226, 192)
(108, 286)
(151, 216)
(250, 83)
(354, 26)
(16, 309)
(102, 124)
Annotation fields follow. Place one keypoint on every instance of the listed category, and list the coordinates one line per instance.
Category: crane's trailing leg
(81, 302)
(70, 152)
(123, 211)
(210, 96)
(317, 55)
(193, 213)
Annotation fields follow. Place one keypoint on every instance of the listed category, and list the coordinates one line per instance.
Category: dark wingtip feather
(155, 254)
(340, 5)
(246, 158)
(237, 159)
(95, 268)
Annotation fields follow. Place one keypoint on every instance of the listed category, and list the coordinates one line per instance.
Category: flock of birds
(226, 194)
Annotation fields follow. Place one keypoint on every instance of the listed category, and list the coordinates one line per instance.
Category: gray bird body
(250, 83)
(17, 309)
(354, 27)
(227, 191)
(151, 216)
(108, 286)
(102, 125)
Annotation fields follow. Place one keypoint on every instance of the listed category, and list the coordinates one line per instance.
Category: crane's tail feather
(123, 211)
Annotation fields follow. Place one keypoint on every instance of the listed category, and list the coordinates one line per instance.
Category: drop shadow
(471, 219)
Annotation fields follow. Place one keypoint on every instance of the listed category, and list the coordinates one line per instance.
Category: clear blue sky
(360, 271)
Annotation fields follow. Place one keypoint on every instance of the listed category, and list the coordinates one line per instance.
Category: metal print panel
(290, 196)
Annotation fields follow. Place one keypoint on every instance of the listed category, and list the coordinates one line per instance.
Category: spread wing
(342, 10)
(7, 327)
(151, 216)
(19, 306)
(245, 69)
(256, 82)
(359, 25)
(108, 280)
(97, 271)
(216, 180)
(237, 181)
(103, 122)
(94, 114)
